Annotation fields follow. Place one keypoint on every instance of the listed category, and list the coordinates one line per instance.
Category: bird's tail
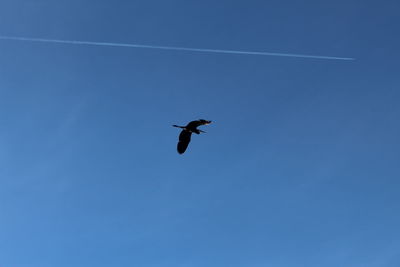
(178, 126)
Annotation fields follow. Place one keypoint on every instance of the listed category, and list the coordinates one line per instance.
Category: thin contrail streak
(190, 49)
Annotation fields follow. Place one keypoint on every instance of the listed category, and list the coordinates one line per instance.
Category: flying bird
(186, 133)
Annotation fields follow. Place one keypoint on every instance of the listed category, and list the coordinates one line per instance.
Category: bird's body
(186, 133)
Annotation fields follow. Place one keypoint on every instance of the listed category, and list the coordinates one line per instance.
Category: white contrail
(202, 50)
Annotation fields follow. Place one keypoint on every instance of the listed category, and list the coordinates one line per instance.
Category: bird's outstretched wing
(194, 124)
(184, 140)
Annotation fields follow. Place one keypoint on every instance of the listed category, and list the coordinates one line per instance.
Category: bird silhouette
(186, 133)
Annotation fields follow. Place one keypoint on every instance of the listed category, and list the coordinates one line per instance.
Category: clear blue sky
(300, 169)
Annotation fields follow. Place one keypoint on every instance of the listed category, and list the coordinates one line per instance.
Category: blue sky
(300, 168)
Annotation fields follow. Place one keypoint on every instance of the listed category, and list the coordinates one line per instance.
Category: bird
(186, 133)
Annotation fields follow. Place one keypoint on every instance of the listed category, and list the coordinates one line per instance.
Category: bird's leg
(178, 126)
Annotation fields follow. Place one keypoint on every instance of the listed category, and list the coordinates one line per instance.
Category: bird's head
(204, 122)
